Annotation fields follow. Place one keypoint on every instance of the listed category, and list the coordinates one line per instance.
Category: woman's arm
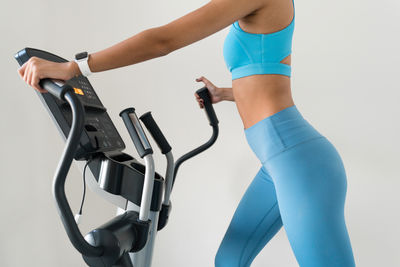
(148, 44)
(143, 46)
(227, 93)
(160, 41)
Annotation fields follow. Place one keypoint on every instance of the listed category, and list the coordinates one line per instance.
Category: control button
(78, 91)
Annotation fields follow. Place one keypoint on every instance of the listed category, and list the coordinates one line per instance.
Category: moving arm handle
(145, 151)
(155, 131)
(212, 117)
(165, 148)
(136, 132)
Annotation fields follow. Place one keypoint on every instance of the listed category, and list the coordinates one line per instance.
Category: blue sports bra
(247, 53)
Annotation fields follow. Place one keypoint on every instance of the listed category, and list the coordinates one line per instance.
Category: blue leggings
(302, 185)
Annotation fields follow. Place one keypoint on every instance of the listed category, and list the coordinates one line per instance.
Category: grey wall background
(345, 82)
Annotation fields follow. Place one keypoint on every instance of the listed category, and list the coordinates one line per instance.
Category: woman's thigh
(310, 183)
(255, 221)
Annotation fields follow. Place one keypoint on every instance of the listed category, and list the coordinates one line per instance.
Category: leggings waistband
(279, 132)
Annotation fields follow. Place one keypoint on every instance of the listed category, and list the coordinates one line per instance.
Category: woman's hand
(217, 94)
(36, 69)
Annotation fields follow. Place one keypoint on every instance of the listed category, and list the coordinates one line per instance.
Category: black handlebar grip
(155, 131)
(136, 132)
(212, 117)
(55, 89)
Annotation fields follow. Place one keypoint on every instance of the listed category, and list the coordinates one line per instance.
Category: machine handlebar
(56, 88)
(136, 132)
(205, 95)
(156, 132)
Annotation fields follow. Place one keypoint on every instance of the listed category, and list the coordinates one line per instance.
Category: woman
(301, 183)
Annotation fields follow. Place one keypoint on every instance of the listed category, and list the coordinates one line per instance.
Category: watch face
(81, 55)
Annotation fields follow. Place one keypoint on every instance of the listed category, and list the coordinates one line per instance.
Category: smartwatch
(82, 60)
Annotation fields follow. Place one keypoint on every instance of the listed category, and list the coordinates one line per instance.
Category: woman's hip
(280, 132)
(292, 150)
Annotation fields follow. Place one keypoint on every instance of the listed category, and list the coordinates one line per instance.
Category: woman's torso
(259, 96)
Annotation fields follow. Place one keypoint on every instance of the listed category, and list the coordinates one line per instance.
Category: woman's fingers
(210, 86)
(21, 70)
(33, 72)
(35, 78)
(29, 73)
(197, 96)
(200, 79)
(204, 80)
(35, 84)
(199, 100)
(25, 71)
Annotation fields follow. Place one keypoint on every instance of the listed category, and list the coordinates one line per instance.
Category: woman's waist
(280, 131)
(256, 101)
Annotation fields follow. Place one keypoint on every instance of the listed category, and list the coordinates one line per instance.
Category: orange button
(78, 91)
